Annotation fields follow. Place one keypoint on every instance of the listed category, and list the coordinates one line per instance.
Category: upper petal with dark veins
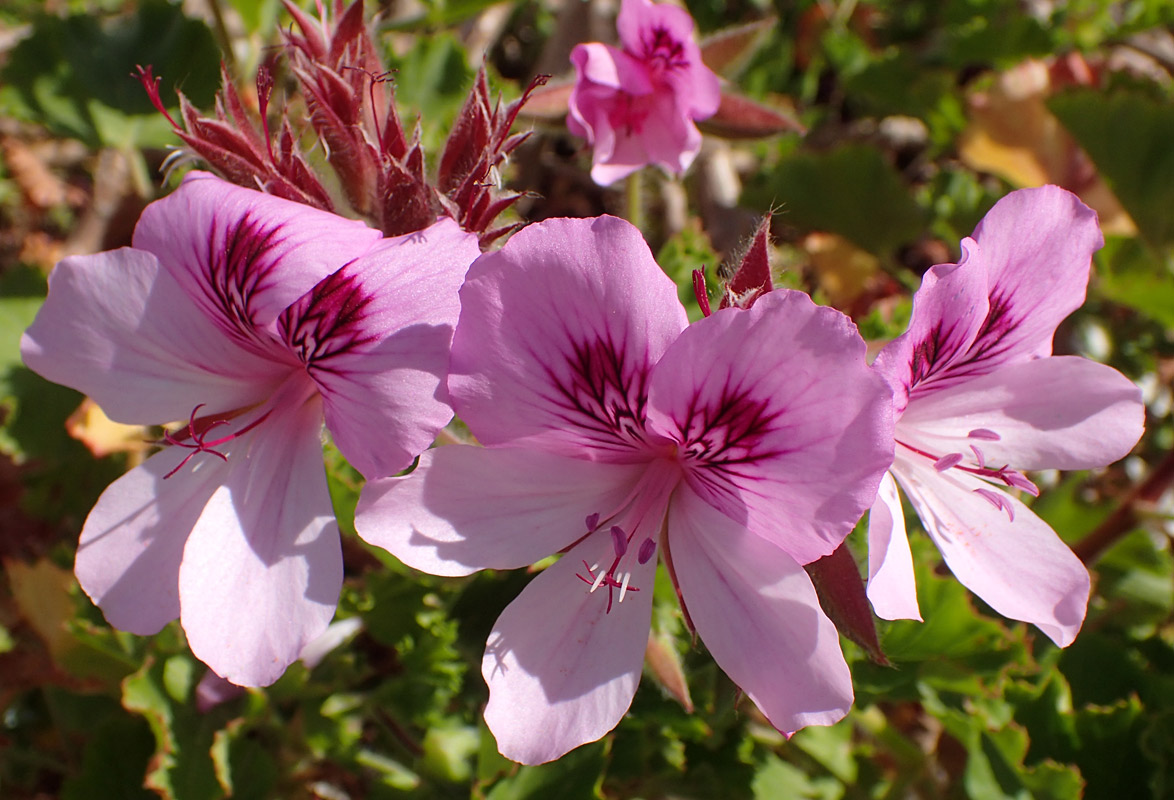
(557, 335)
(1030, 259)
(375, 338)
(780, 423)
(243, 256)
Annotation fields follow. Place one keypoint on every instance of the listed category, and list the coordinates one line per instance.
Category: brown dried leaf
(1012, 134)
(103, 436)
(664, 663)
(843, 270)
(726, 51)
(740, 117)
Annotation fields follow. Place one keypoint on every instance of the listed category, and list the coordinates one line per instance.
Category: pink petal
(557, 334)
(121, 330)
(375, 337)
(1020, 568)
(133, 539)
(212, 690)
(469, 508)
(243, 256)
(1037, 245)
(1032, 252)
(948, 313)
(669, 135)
(605, 66)
(561, 668)
(757, 612)
(262, 567)
(638, 18)
(1060, 412)
(784, 427)
(693, 83)
(892, 589)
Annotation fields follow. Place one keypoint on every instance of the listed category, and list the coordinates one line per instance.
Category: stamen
(593, 521)
(947, 461)
(624, 585)
(986, 434)
(619, 540)
(647, 549)
(200, 436)
(598, 581)
(1019, 481)
(998, 501)
(590, 572)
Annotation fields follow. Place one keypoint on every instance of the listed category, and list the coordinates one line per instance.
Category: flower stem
(1125, 519)
(635, 199)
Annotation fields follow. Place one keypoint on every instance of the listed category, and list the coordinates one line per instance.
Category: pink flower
(253, 319)
(979, 398)
(637, 105)
(740, 447)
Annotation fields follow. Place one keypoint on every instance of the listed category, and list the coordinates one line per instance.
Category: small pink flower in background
(740, 448)
(980, 397)
(637, 105)
(252, 319)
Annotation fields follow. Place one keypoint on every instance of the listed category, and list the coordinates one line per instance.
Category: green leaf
(685, 251)
(952, 628)
(244, 766)
(852, 191)
(432, 79)
(113, 763)
(182, 767)
(259, 16)
(1132, 274)
(576, 776)
(69, 68)
(449, 750)
(1128, 135)
(831, 747)
(775, 779)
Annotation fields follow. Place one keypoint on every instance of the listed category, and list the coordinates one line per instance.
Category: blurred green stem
(1125, 519)
(222, 35)
(635, 208)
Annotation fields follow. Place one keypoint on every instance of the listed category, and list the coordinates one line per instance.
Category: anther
(1019, 481)
(647, 548)
(978, 457)
(598, 581)
(986, 434)
(624, 585)
(998, 501)
(619, 540)
(947, 461)
(593, 521)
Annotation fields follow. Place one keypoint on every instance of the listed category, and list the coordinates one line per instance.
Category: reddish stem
(1124, 520)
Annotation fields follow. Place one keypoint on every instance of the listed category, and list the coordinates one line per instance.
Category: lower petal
(1007, 556)
(133, 540)
(262, 568)
(563, 661)
(469, 508)
(757, 612)
(1060, 412)
(891, 586)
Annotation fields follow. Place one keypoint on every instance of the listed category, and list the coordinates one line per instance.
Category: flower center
(977, 465)
(197, 431)
(663, 52)
(632, 531)
(293, 392)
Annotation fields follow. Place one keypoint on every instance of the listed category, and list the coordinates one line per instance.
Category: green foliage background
(973, 706)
